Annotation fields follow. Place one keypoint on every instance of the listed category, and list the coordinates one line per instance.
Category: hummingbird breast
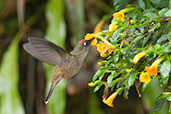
(71, 68)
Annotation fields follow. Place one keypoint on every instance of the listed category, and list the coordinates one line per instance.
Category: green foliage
(158, 103)
(9, 96)
(147, 29)
(56, 33)
(94, 104)
(165, 70)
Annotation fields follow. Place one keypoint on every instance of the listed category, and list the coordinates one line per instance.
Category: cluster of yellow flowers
(106, 47)
(150, 70)
(144, 76)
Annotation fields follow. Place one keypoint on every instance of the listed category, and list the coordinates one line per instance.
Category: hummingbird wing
(46, 51)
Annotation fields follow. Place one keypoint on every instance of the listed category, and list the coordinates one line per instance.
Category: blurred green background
(24, 81)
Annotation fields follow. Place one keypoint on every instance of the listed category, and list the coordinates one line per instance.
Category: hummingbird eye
(85, 43)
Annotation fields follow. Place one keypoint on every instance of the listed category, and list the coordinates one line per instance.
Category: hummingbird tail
(50, 93)
(52, 88)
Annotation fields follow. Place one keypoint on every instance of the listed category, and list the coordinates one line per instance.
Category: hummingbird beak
(88, 41)
(81, 41)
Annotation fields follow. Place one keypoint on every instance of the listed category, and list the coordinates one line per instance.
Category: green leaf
(98, 73)
(95, 83)
(125, 94)
(168, 13)
(162, 11)
(94, 104)
(131, 79)
(118, 4)
(56, 33)
(144, 86)
(138, 38)
(156, 47)
(98, 87)
(116, 58)
(155, 1)
(9, 95)
(75, 17)
(158, 103)
(156, 26)
(110, 79)
(150, 95)
(116, 34)
(168, 97)
(165, 70)
(151, 16)
(163, 3)
(163, 38)
(56, 28)
(141, 4)
(169, 111)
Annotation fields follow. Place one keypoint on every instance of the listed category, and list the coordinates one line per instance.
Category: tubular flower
(90, 36)
(118, 15)
(99, 26)
(152, 70)
(109, 100)
(113, 26)
(102, 48)
(126, 42)
(123, 11)
(110, 51)
(144, 77)
(138, 57)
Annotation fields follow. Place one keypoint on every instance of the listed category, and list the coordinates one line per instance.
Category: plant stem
(104, 40)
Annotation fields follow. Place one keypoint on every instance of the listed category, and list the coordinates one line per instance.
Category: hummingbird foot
(54, 83)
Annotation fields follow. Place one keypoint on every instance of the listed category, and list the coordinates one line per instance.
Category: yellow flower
(109, 100)
(90, 36)
(125, 42)
(103, 55)
(118, 15)
(166, 93)
(102, 48)
(132, 21)
(98, 26)
(152, 70)
(91, 84)
(144, 77)
(123, 11)
(138, 57)
(110, 51)
(113, 26)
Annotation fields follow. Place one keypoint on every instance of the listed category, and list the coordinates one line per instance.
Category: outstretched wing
(46, 51)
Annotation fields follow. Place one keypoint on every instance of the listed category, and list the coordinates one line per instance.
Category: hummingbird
(66, 64)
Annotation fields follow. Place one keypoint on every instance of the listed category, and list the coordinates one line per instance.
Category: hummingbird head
(85, 43)
(81, 49)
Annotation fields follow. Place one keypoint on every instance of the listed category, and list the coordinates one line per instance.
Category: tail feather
(50, 93)
(51, 89)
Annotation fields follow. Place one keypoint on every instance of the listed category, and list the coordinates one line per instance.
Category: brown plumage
(66, 64)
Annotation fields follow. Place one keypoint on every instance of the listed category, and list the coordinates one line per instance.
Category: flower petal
(102, 48)
(138, 57)
(113, 26)
(118, 15)
(93, 42)
(98, 26)
(144, 77)
(110, 99)
(89, 36)
(152, 70)
(123, 11)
